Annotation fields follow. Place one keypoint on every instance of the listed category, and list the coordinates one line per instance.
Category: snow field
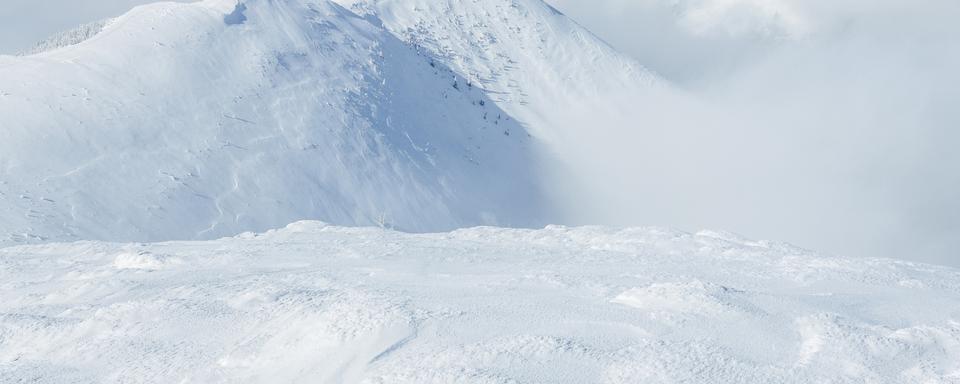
(318, 303)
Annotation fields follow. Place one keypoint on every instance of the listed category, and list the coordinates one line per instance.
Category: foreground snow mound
(323, 304)
(201, 120)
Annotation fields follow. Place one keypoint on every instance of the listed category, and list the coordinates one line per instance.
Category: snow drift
(315, 303)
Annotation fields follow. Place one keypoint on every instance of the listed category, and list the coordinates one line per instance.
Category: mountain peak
(284, 110)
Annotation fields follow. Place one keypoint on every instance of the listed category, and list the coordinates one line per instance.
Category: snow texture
(323, 304)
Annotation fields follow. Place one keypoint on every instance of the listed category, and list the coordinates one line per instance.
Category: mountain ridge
(130, 159)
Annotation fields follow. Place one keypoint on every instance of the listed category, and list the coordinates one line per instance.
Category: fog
(829, 124)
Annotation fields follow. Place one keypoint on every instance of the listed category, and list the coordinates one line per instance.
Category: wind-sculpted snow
(192, 121)
(534, 62)
(323, 304)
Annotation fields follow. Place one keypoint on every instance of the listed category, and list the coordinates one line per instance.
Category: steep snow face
(534, 62)
(590, 105)
(181, 121)
(321, 304)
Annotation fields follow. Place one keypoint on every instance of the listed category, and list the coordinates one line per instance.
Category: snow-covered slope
(181, 121)
(592, 107)
(538, 64)
(192, 121)
(319, 304)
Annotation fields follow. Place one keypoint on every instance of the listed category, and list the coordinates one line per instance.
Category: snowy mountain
(182, 121)
(319, 304)
(195, 121)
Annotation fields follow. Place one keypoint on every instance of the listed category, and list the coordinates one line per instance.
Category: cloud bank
(829, 124)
